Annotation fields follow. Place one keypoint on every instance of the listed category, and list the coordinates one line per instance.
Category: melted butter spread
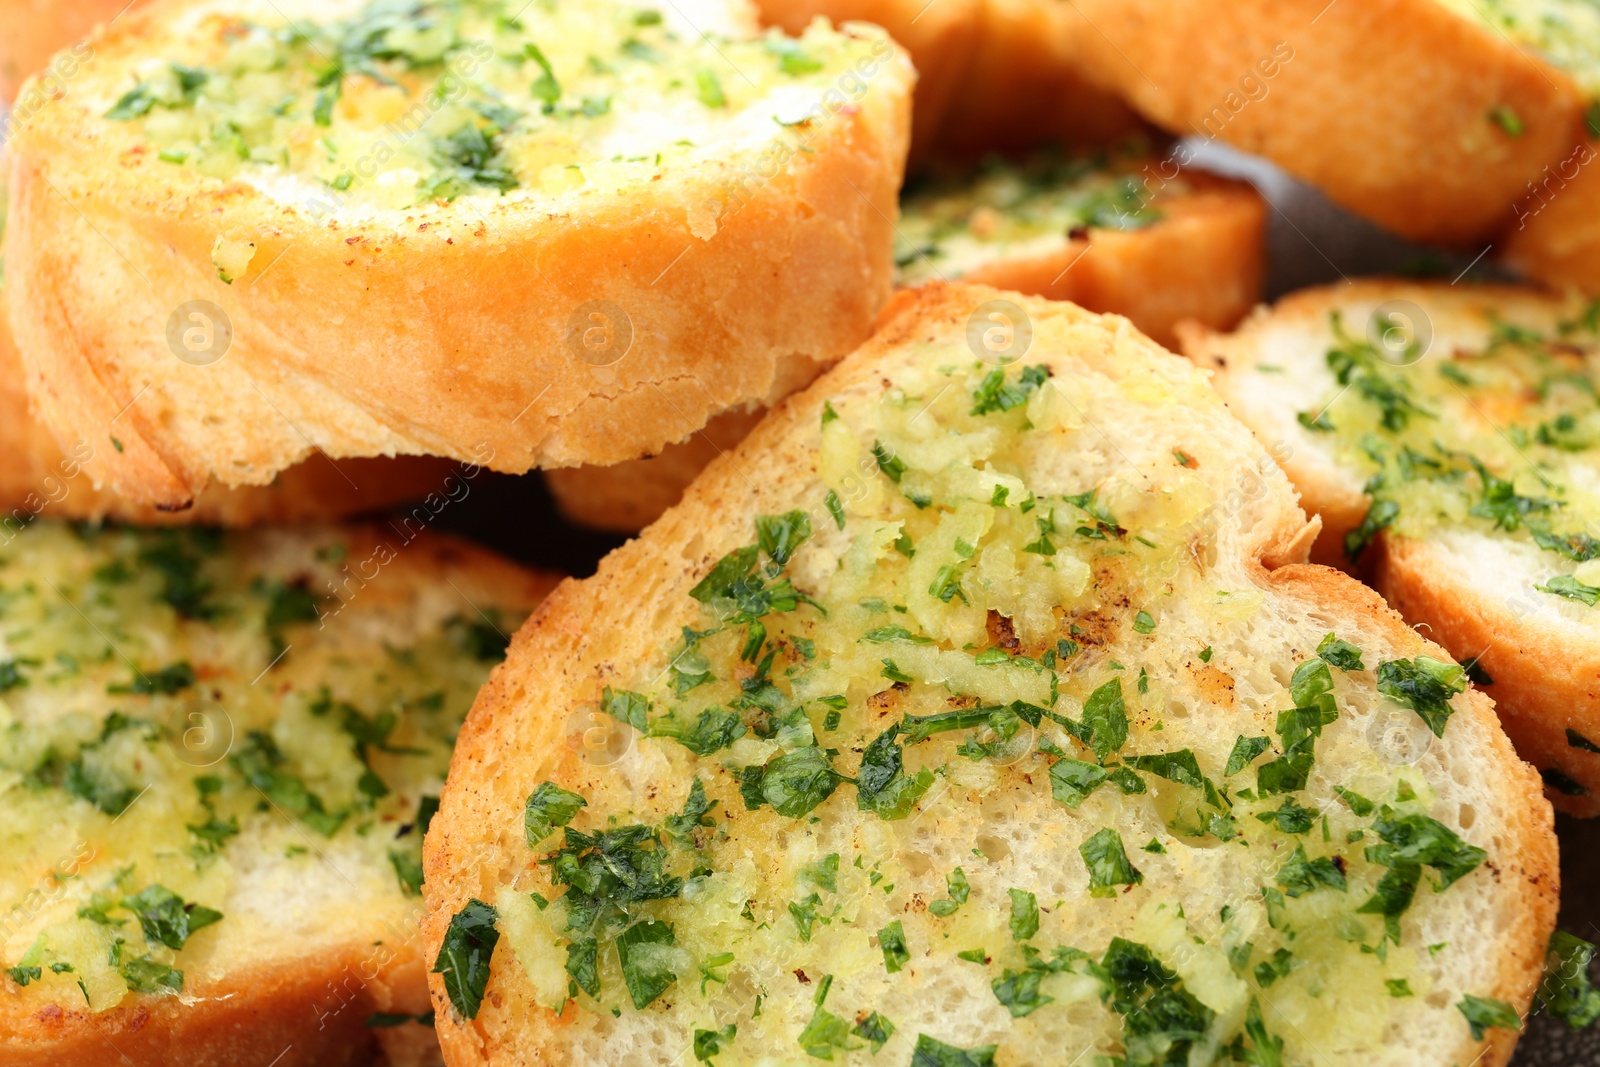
(219, 719)
(955, 222)
(393, 103)
(947, 762)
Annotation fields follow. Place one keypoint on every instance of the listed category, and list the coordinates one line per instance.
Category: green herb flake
(548, 809)
(646, 967)
(1424, 685)
(1484, 1013)
(932, 1053)
(463, 959)
(1108, 864)
(1578, 741)
(1024, 915)
(1339, 653)
(892, 939)
(1566, 991)
(1245, 750)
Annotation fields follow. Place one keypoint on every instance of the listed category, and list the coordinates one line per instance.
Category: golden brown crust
(1202, 262)
(36, 29)
(284, 1011)
(104, 254)
(1401, 133)
(38, 479)
(1546, 682)
(310, 1011)
(983, 66)
(1556, 236)
(1023, 54)
(627, 497)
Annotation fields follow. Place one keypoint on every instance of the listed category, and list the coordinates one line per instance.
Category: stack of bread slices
(983, 684)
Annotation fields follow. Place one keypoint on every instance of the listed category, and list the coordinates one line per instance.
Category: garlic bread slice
(1123, 232)
(1447, 437)
(219, 753)
(991, 74)
(957, 717)
(548, 233)
(1431, 118)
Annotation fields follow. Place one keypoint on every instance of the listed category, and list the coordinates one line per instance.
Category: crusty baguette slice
(1434, 134)
(38, 477)
(961, 657)
(607, 253)
(1129, 234)
(184, 737)
(1505, 380)
(990, 73)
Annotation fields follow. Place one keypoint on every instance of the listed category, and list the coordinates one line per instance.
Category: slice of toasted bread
(1435, 134)
(607, 253)
(991, 74)
(38, 478)
(245, 724)
(1129, 234)
(1464, 376)
(944, 683)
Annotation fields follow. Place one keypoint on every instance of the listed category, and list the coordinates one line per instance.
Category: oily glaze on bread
(560, 296)
(1494, 570)
(1129, 234)
(247, 721)
(847, 728)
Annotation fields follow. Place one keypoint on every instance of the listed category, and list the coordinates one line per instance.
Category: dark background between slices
(1311, 242)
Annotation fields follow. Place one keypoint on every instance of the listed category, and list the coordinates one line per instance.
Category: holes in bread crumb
(994, 848)
(916, 864)
(1467, 816)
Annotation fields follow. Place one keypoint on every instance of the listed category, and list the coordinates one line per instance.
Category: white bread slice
(606, 305)
(1473, 585)
(138, 663)
(991, 74)
(1217, 645)
(1123, 233)
(1435, 134)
